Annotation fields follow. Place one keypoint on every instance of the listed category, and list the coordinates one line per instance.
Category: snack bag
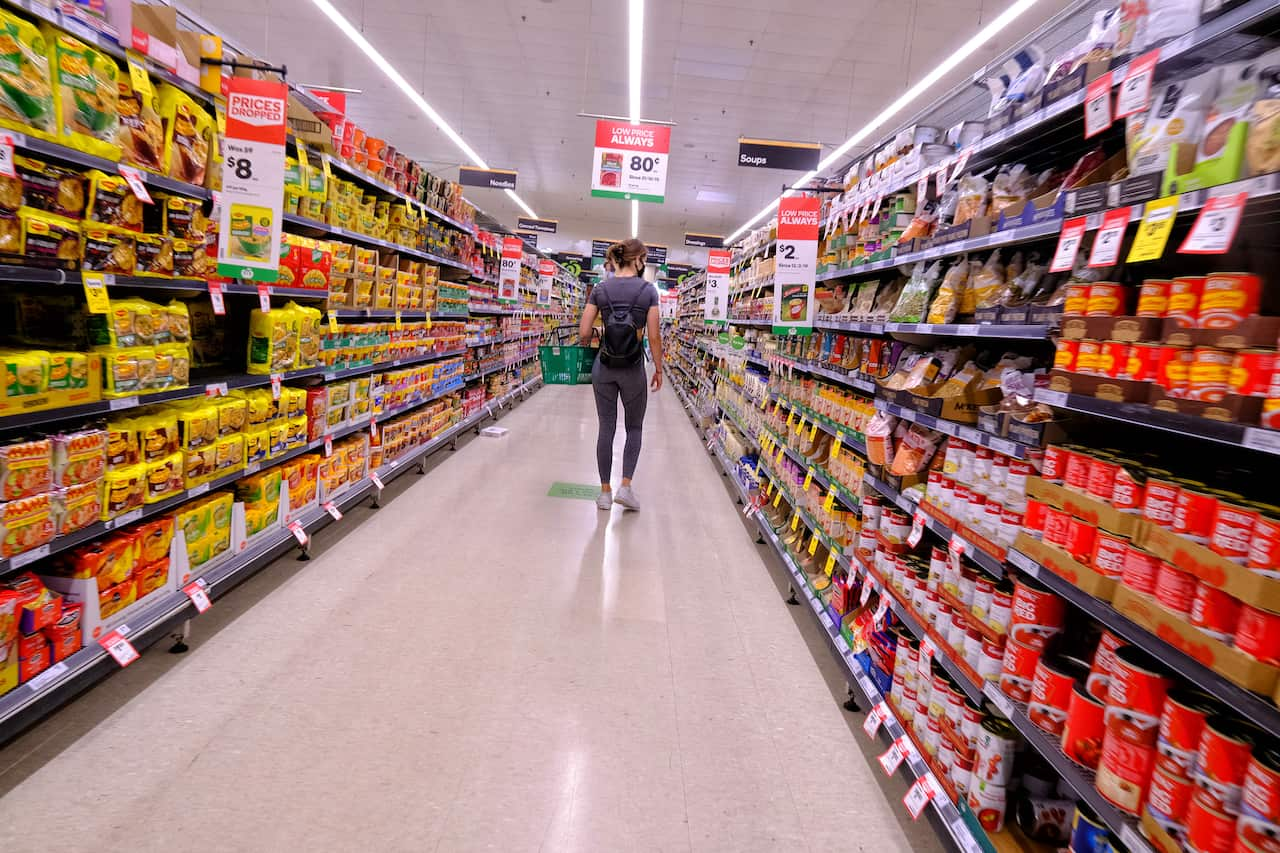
(26, 523)
(109, 250)
(164, 477)
(112, 202)
(124, 490)
(189, 132)
(79, 457)
(985, 281)
(229, 454)
(198, 425)
(86, 95)
(25, 373)
(914, 299)
(68, 370)
(47, 238)
(26, 468)
(273, 341)
(76, 507)
(954, 286)
(178, 357)
(26, 95)
(151, 577)
(141, 134)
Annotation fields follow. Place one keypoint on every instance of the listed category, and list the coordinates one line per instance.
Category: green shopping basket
(566, 365)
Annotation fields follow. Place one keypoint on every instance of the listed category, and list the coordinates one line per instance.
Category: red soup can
(1233, 526)
(1037, 616)
(1194, 510)
(1055, 525)
(1258, 634)
(1130, 489)
(1175, 589)
(1173, 368)
(1144, 361)
(1209, 830)
(1227, 299)
(1251, 372)
(1215, 612)
(1054, 466)
(1106, 299)
(1209, 376)
(1264, 547)
(1159, 500)
(1260, 796)
(1184, 299)
(1018, 670)
(1055, 677)
(1087, 355)
(1139, 685)
(1084, 729)
(1113, 359)
(1102, 665)
(1153, 298)
(1140, 570)
(1076, 476)
(1064, 357)
(1102, 477)
(1181, 728)
(1108, 553)
(1080, 539)
(1168, 799)
(1225, 748)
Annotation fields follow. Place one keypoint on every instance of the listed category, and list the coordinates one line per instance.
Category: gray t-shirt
(628, 290)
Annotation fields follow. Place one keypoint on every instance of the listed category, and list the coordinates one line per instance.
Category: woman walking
(627, 305)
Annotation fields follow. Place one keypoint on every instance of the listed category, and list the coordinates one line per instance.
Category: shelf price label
(808, 480)
(796, 261)
(829, 502)
(95, 291)
(1215, 228)
(919, 795)
(253, 146)
(199, 596)
(1106, 243)
(894, 756)
(215, 298)
(830, 565)
(882, 611)
(917, 528)
(276, 379)
(955, 550)
(299, 533)
(6, 156)
(333, 321)
(136, 181)
(546, 280)
(1097, 106)
(377, 481)
(924, 660)
(264, 298)
(1153, 231)
(813, 545)
(1135, 90)
(1068, 244)
(116, 645)
(332, 508)
(867, 588)
(875, 719)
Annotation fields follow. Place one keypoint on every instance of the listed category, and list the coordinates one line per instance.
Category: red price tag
(1215, 228)
(6, 156)
(136, 182)
(199, 596)
(295, 527)
(264, 298)
(1135, 91)
(328, 444)
(276, 379)
(917, 528)
(1106, 243)
(893, 757)
(866, 590)
(1097, 106)
(373, 428)
(1068, 244)
(118, 647)
(922, 187)
(955, 550)
(924, 660)
(881, 612)
(919, 795)
(215, 298)
(377, 481)
(875, 719)
(333, 510)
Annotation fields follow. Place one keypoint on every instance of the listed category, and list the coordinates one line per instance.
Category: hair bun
(626, 252)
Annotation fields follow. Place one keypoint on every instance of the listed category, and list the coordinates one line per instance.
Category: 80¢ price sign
(630, 161)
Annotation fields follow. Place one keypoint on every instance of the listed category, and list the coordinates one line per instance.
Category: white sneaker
(604, 500)
(627, 498)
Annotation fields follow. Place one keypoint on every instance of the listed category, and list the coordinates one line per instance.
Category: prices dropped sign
(793, 280)
(252, 180)
(630, 161)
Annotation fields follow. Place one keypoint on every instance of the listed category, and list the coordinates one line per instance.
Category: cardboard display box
(1232, 578)
(1232, 409)
(1102, 387)
(1253, 332)
(962, 408)
(1128, 329)
(1064, 566)
(91, 393)
(1098, 513)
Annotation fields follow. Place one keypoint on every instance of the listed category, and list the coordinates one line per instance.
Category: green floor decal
(580, 491)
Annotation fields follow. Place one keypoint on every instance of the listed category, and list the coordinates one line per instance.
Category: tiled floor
(478, 666)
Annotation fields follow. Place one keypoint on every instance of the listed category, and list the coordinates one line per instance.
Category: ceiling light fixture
(635, 218)
(358, 39)
(962, 53)
(635, 56)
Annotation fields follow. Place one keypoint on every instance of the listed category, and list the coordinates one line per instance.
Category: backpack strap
(629, 307)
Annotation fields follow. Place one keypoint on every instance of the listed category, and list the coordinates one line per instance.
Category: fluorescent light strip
(635, 57)
(635, 218)
(966, 50)
(358, 39)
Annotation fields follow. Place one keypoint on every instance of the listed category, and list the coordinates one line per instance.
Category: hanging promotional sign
(530, 239)
(545, 226)
(509, 272)
(716, 303)
(494, 179)
(598, 248)
(657, 254)
(704, 241)
(252, 180)
(630, 161)
(546, 278)
(797, 259)
(776, 154)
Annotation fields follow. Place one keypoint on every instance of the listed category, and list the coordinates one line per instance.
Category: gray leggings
(610, 383)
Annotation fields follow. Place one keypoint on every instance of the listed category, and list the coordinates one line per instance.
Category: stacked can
(1135, 700)
(992, 769)
(1037, 616)
(1182, 725)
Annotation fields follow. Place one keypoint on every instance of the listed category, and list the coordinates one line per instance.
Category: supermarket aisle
(480, 666)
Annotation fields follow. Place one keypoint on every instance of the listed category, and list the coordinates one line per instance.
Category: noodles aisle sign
(252, 180)
(630, 161)
(793, 278)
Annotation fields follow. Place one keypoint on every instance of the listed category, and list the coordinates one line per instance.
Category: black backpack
(620, 344)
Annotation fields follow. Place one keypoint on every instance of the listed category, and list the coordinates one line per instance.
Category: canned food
(941, 687)
(983, 590)
(961, 772)
(1113, 359)
(1215, 612)
(1264, 545)
(1260, 796)
(1077, 300)
(973, 648)
(1037, 614)
(1193, 511)
(1173, 366)
(1051, 687)
(1209, 830)
(933, 736)
(1018, 670)
(1251, 372)
(1108, 554)
(1168, 798)
(1076, 475)
(895, 525)
(1083, 730)
(1209, 376)
(1184, 299)
(1175, 589)
(1101, 483)
(1136, 695)
(968, 583)
(1033, 520)
(1056, 522)
(942, 622)
(996, 746)
(1087, 356)
(1080, 539)
(1102, 665)
(1124, 769)
(1258, 634)
(1153, 298)
(1144, 361)
(1106, 299)
(946, 758)
(1011, 521)
(1181, 728)
(1233, 525)
(1228, 299)
(1045, 820)
(1225, 748)
(958, 633)
(987, 801)
(953, 713)
(1088, 833)
(872, 508)
(1001, 611)
(1054, 467)
(1160, 500)
(1130, 489)
(991, 661)
(1140, 570)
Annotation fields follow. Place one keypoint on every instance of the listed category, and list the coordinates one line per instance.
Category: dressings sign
(509, 272)
(252, 180)
(793, 280)
(716, 304)
(546, 278)
(630, 161)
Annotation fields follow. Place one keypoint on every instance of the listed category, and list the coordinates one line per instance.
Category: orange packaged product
(26, 523)
(64, 635)
(9, 601)
(110, 560)
(301, 479)
(1153, 298)
(1184, 300)
(34, 655)
(1106, 299)
(38, 606)
(79, 457)
(26, 468)
(1227, 299)
(151, 577)
(154, 538)
(76, 507)
(113, 599)
(1077, 300)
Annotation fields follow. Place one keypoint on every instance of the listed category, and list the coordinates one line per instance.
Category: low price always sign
(630, 161)
(252, 180)
(716, 304)
(546, 278)
(509, 271)
(793, 280)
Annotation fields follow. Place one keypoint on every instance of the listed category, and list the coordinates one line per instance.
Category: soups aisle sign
(716, 305)
(630, 161)
(793, 279)
(509, 271)
(252, 180)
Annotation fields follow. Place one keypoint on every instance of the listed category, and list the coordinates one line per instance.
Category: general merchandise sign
(509, 272)
(252, 180)
(630, 161)
(716, 304)
(546, 278)
(797, 259)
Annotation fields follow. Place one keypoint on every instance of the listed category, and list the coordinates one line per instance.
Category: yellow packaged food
(179, 322)
(157, 433)
(68, 370)
(184, 218)
(293, 402)
(154, 256)
(108, 250)
(198, 425)
(278, 438)
(123, 446)
(259, 491)
(117, 327)
(257, 446)
(141, 135)
(112, 202)
(260, 407)
(292, 175)
(194, 520)
(200, 464)
(49, 238)
(126, 370)
(86, 95)
(220, 512)
(296, 433)
(310, 335)
(229, 454)
(145, 321)
(26, 95)
(26, 373)
(273, 341)
(123, 490)
(164, 477)
(178, 357)
(233, 413)
(189, 133)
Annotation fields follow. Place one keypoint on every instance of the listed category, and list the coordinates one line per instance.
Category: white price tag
(328, 444)
(295, 527)
(120, 403)
(917, 528)
(136, 181)
(955, 550)
(919, 795)
(1215, 228)
(875, 719)
(199, 596)
(882, 611)
(1002, 702)
(1001, 445)
(866, 590)
(276, 378)
(121, 520)
(216, 389)
(1068, 244)
(47, 677)
(961, 162)
(26, 558)
(922, 187)
(197, 490)
(333, 510)
(1135, 91)
(924, 660)
(893, 757)
(1106, 243)
(6, 156)
(118, 647)
(264, 298)
(1051, 398)
(1257, 438)
(215, 298)
(377, 481)
(1097, 106)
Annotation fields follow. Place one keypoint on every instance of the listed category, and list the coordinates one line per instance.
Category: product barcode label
(893, 756)
(875, 719)
(199, 596)
(118, 647)
(919, 795)
(26, 558)
(1002, 702)
(6, 156)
